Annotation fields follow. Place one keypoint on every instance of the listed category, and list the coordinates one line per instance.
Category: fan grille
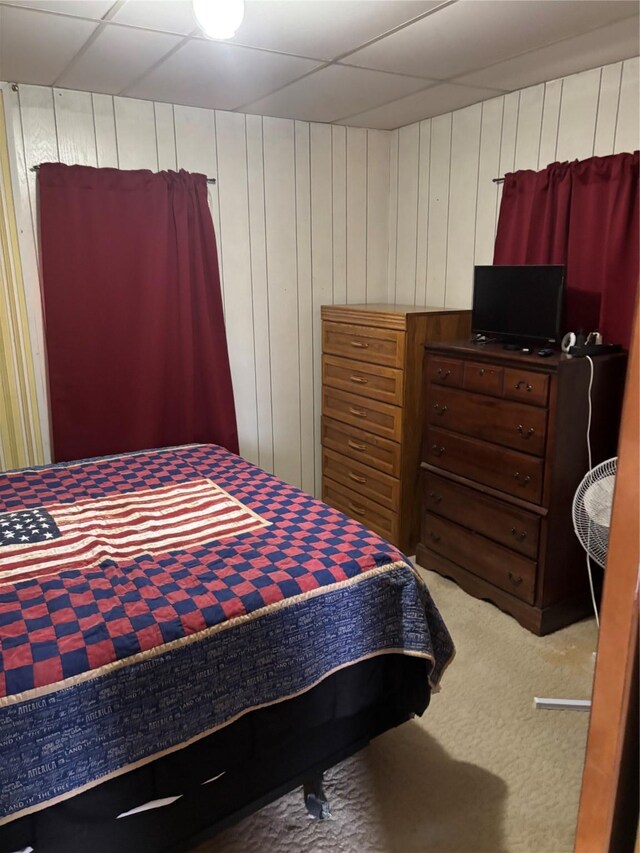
(592, 510)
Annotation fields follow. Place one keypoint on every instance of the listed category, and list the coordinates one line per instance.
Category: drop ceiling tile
(171, 16)
(334, 92)
(471, 34)
(85, 9)
(36, 47)
(322, 29)
(438, 99)
(116, 58)
(216, 75)
(598, 47)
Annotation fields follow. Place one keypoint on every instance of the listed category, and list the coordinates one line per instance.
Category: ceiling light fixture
(219, 19)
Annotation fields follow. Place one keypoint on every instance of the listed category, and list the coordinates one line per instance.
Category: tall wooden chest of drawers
(372, 400)
(504, 449)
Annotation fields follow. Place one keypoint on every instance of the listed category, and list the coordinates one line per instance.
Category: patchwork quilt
(150, 598)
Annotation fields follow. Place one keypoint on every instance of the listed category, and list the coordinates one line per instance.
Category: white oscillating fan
(591, 512)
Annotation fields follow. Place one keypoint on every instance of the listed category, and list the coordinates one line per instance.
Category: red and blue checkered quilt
(150, 598)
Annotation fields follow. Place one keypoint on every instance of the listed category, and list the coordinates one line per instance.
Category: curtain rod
(36, 167)
(498, 180)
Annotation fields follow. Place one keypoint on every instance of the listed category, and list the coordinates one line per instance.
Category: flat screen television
(518, 304)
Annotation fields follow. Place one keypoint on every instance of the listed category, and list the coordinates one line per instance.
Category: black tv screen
(518, 304)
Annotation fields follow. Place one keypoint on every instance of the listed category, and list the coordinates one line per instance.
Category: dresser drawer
(364, 343)
(506, 470)
(484, 558)
(360, 478)
(377, 452)
(375, 381)
(483, 514)
(526, 386)
(499, 421)
(483, 378)
(444, 371)
(371, 415)
(383, 521)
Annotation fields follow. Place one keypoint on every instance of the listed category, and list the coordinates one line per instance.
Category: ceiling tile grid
(36, 47)
(334, 92)
(93, 9)
(471, 35)
(369, 63)
(218, 75)
(437, 99)
(324, 29)
(166, 15)
(117, 56)
(569, 56)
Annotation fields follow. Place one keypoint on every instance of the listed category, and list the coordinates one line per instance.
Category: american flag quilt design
(150, 598)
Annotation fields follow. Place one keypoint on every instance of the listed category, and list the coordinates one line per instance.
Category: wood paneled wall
(443, 203)
(301, 217)
(311, 214)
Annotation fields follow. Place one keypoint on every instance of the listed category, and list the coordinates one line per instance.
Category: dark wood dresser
(372, 401)
(504, 450)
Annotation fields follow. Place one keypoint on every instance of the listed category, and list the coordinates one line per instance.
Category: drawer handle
(521, 482)
(356, 446)
(437, 449)
(435, 498)
(525, 433)
(435, 536)
(444, 373)
(521, 536)
(482, 371)
(356, 478)
(359, 345)
(359, 413)
(359, 379)
(516, 580)
(440, 410)
(523, 384)
(359, 510)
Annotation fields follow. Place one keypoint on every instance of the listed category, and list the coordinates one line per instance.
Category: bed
(180, 629)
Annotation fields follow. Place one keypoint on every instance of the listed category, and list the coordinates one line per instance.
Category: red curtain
(603, 248)
(584, 215)
(542, 198)
(136, 347)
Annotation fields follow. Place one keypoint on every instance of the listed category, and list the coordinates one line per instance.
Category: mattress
(148, 600)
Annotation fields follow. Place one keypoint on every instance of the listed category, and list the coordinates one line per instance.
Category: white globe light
(219, 19)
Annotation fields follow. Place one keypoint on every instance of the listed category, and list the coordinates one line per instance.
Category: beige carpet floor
(482, 770)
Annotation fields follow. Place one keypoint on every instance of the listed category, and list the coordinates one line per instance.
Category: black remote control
(545, 353)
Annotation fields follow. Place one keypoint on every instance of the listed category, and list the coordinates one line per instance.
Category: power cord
(589, 569)
(578, 704)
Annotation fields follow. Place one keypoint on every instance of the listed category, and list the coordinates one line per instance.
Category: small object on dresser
(545, 353)
(594, 349)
